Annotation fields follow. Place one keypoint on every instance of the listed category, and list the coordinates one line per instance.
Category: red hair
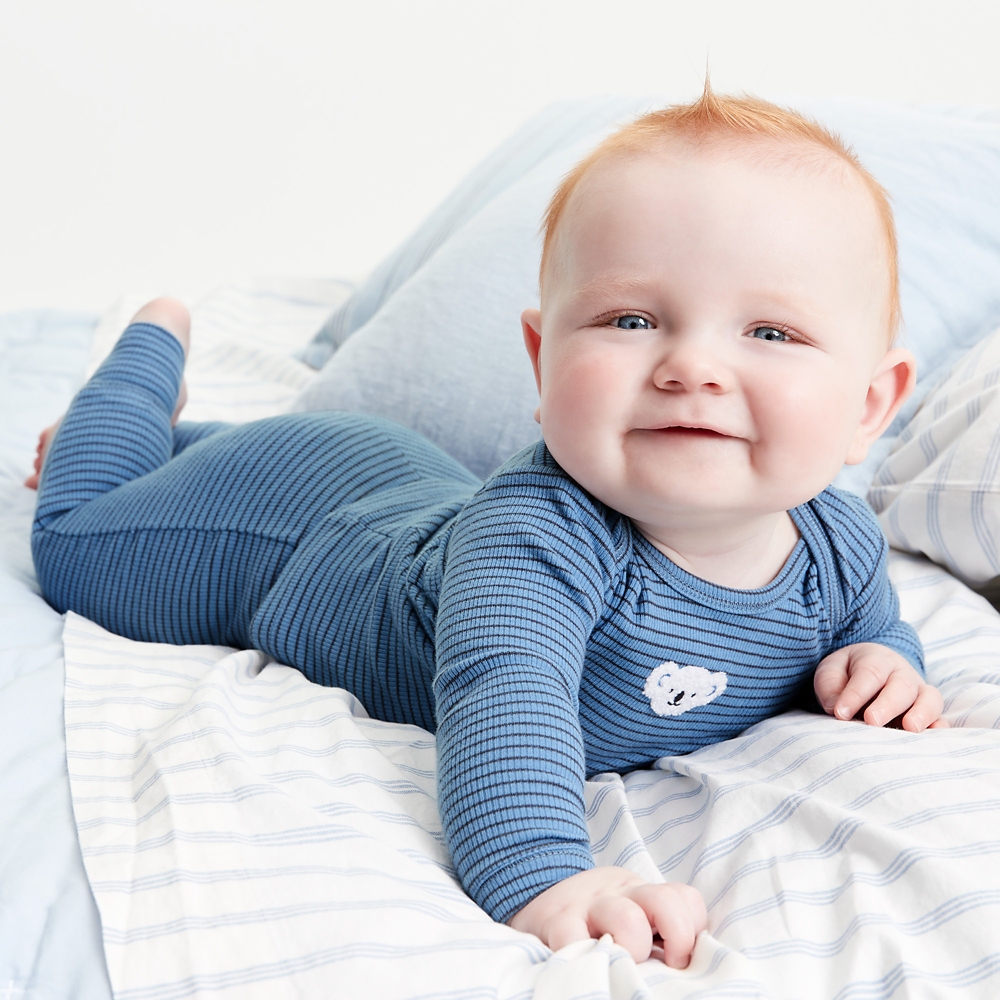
(717, 119)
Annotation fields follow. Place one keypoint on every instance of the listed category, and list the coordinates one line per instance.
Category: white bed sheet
(250, 834)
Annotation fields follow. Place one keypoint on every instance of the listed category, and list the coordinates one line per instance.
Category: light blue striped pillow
(938, 493)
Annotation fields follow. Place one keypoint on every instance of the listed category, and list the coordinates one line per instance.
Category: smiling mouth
(691, 433)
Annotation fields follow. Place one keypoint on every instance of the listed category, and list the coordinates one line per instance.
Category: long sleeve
(527, 570)
(870, 603)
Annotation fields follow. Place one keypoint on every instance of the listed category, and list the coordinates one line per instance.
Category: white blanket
(248, 834)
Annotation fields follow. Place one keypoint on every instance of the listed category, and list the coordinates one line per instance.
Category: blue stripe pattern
(521, 619)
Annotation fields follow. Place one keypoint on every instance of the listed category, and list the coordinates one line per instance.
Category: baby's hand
(616, 902)
(871, 674)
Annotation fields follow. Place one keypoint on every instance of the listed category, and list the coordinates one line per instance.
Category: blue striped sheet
(247, 833)
(50, 935)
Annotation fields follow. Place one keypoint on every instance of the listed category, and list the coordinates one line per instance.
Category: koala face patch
(673, 689)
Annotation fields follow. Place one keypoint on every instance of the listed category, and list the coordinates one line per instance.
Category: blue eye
(631, 322)
(769, 333)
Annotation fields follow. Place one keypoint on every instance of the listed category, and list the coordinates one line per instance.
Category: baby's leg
(120, 425)
(170, 315)
(106, 539)
(187, 434)
(185, 547)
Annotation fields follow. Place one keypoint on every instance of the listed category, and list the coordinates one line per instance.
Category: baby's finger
(625, 921)
(898, 695)
(564, 928)
(868, 677)
(830, 678)
(668, 911)
(695, 904)
(926, 710)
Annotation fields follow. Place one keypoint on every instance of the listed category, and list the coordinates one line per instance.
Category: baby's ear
(531, 328)
(891, 384)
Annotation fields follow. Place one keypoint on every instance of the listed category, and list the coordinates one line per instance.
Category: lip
(690, 430)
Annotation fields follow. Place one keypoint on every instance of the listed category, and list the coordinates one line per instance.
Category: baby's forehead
(661, 164)
(794, 175)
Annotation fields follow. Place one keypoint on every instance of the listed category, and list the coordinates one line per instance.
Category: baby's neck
(743, 555)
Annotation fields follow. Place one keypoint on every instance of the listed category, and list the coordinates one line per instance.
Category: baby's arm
(526, 580)
(877, 664)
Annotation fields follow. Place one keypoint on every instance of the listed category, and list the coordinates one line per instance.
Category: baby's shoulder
(844, 537)
(846, 518)
(533, 481)
(530, 499)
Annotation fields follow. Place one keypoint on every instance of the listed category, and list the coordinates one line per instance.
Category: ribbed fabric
(521, 618)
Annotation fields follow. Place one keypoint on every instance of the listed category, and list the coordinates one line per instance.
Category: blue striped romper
(534, 629)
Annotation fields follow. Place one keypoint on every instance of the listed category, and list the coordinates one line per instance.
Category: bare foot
(169, 314)
(44, 440)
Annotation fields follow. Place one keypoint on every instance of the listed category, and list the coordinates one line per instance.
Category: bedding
(50, 932)
(262, 859)
(938, 492)
(247, 833)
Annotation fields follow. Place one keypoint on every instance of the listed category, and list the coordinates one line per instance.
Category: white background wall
(176, 144)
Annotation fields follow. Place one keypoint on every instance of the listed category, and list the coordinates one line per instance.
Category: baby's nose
(691, 368)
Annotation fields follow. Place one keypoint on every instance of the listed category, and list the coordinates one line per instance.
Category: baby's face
(709, 331)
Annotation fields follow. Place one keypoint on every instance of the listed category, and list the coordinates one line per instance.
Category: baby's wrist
(507, 890)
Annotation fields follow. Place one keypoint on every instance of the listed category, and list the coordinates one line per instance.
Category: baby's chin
(721, 495)
(692, 471)
(686, 474)
(690, 506)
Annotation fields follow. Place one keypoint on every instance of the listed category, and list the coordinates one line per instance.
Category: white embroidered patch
(673, 689)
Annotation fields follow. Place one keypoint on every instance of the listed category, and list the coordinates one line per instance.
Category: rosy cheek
(584, 386)
(584, 396)
(808, 418)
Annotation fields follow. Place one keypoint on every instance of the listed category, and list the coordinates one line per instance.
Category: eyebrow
(621, 285)
(625, 285)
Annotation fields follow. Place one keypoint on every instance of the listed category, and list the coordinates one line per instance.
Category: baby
(667, 567)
